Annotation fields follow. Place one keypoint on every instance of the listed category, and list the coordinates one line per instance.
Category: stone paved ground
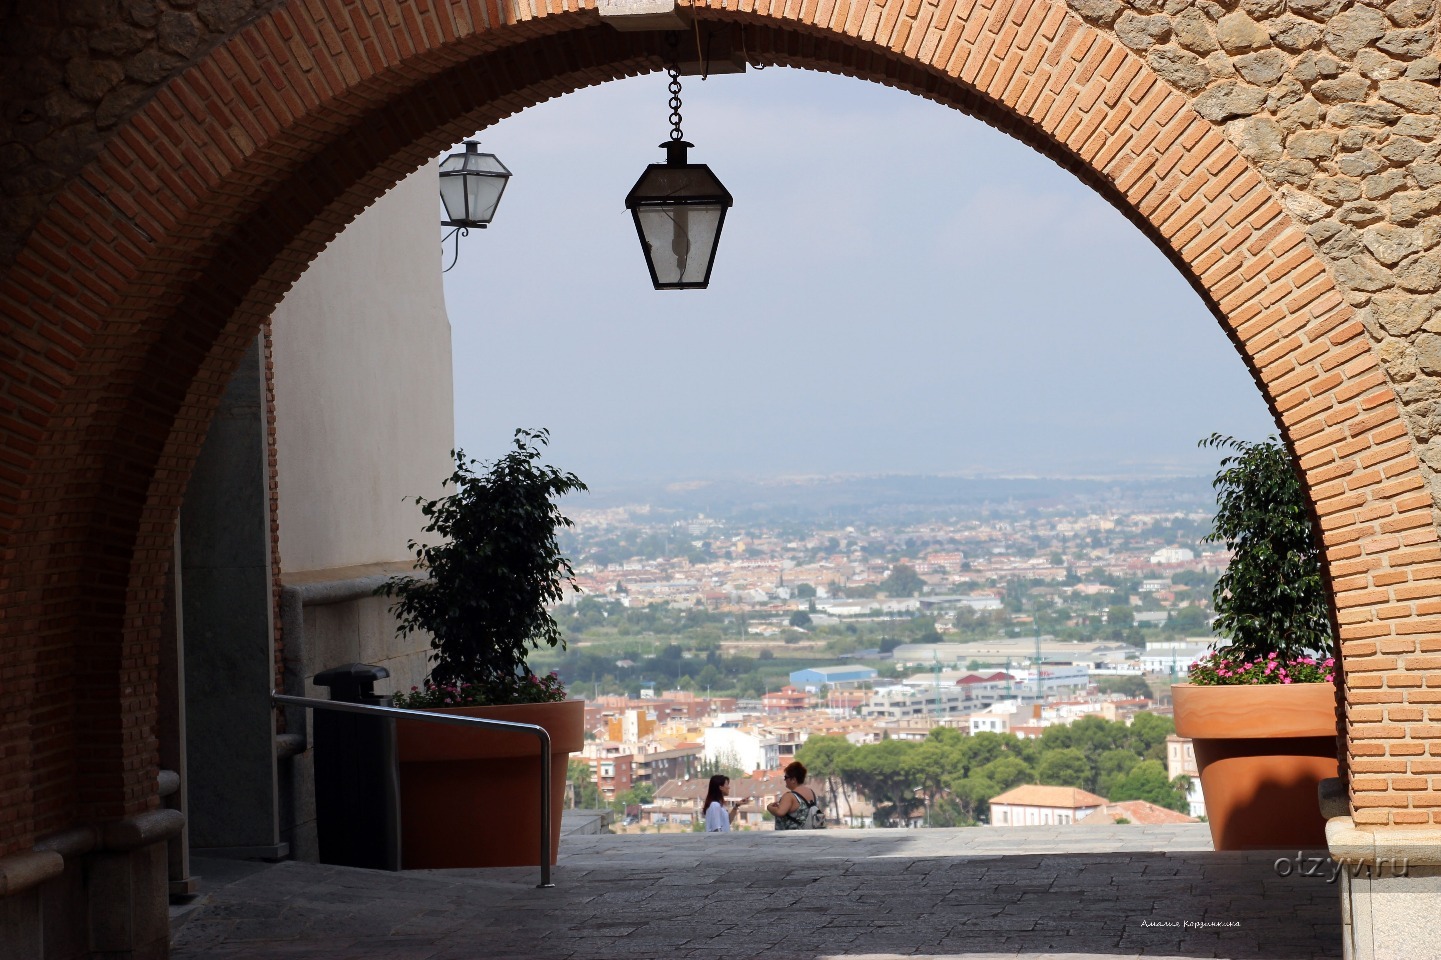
(1044, 892)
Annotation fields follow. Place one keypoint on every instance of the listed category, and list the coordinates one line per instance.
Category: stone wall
(1336, 104)
(72, 70)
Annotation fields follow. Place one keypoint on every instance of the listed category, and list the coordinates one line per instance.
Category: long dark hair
(713, 792)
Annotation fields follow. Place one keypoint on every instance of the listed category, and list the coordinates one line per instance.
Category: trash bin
(354, 777)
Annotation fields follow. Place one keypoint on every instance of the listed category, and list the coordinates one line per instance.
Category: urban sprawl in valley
(1004, 662)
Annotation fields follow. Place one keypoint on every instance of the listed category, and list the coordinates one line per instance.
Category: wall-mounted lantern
(471, 183)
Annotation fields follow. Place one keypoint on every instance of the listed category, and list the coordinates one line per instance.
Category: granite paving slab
(1046, 893)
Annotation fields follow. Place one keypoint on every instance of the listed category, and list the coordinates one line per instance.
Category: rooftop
(1135, 811)
(1063, 893)
(1037, 795)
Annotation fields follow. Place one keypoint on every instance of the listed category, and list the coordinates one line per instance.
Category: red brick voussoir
(135, 296)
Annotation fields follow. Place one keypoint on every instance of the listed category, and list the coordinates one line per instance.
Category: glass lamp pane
(484, 163)
(482, 195)
(452, 194)
(680, 240)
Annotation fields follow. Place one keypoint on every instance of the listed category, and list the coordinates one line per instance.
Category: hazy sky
(899, 289)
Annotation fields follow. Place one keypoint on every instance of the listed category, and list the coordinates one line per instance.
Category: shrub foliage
(491, 579)
(1272, 598)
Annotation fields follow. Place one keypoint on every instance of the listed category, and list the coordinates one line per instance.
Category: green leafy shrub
(1271, 603)
(490, 581)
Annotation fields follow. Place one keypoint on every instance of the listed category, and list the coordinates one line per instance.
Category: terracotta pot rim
(564, 720)
(1254, 711)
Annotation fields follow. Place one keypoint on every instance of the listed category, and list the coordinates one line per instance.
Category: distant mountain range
(852, 499)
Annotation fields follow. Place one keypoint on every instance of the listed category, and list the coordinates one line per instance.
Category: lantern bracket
(457, 233)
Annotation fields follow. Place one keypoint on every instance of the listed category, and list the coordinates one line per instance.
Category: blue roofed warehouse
(813, 677)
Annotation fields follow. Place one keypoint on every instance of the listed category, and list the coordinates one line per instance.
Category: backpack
(807, 816)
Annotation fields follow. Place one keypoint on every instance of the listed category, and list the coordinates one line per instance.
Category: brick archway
(135, 295)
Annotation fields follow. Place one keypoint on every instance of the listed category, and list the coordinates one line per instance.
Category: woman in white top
(717, 818)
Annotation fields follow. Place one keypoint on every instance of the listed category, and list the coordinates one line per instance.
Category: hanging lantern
(679, 209)
(470, 187)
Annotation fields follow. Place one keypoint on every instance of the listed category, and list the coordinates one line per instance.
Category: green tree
(903, 581)
(1147, 734)
(1272, 596)
(1147, 781)
(923, 630)
(638, 796)
(972, 796)
(750, 685)
(1111, 768)
(879, 771)
(1125, 686)
(727, 764)
(1189, 620)
(708, 677)
(1120, 617)
(1066, 767)
(1007, 772)
(805, 591)
(587, 794)
(976, 751)
(825, 758)
(800, 619)
(928, 765)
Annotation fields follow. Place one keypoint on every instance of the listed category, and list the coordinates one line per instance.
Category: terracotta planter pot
(472, 799)
(1261, 751)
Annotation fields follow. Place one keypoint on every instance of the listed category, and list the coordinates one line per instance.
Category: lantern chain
(673, 71)
(675, 133)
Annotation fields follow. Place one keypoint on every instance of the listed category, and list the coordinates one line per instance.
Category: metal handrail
(393, 761)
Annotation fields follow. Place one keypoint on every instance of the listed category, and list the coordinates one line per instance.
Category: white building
(1168, 555)
(1113, 668)
(362, 377)
(1181, 762)
(1035, 805)
(990, 722)
(980, 603)
(748, 749)
(928, 654)
(633, 723)
(1056, 678)
(901, 702)
(861, 608)
(1164, 656)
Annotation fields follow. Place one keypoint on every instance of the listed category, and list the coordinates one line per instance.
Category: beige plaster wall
(363, 401)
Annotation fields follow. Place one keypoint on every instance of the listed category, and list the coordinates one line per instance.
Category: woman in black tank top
(793, 808)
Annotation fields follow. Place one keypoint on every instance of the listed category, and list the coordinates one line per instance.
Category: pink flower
(1286, 680)
(1271, 655)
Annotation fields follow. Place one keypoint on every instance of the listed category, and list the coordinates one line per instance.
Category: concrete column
(1390, 881)
(229, 649)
